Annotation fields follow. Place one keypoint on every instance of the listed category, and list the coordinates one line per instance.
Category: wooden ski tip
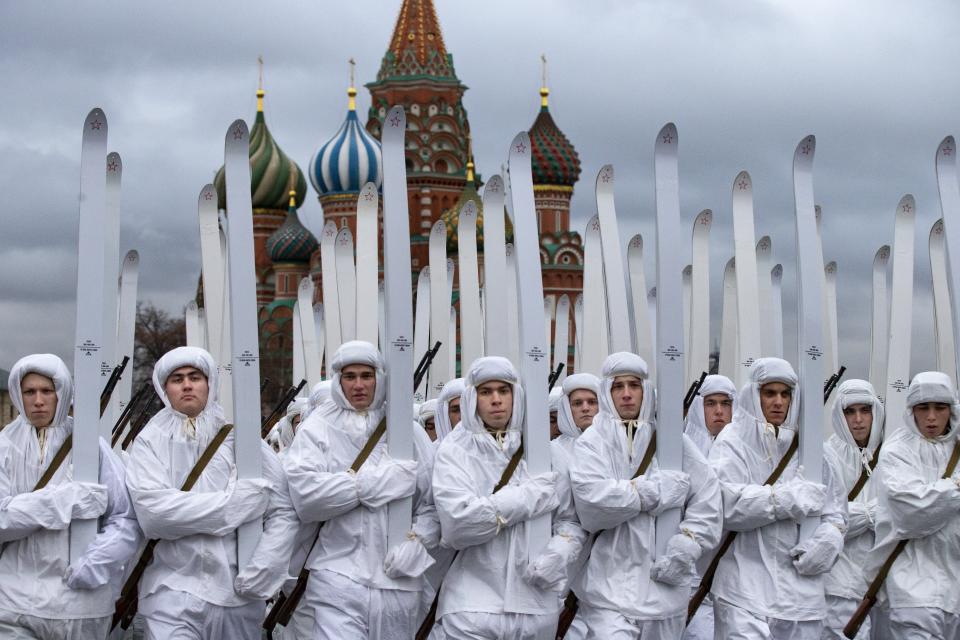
(947, 148)
(132, 258)
(520, 145)
(605, 175)
(907, 206)
(96, 121)
(667, 136)
(494, 184)
(742, 183)
(237, 133)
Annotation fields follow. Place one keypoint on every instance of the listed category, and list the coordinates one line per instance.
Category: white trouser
(880, 623)
(839, 612)
(467, 625)
(607, 624)
(17, 626)
(701, 627)
(301, 624)
(577, 630)
(733, 623)
(177, 615)
(348, 610)
(927, 623)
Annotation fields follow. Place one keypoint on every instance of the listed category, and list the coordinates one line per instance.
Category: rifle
(554, 376)
(67, 445)
(832, 383)
(264, 383)
(139, 421)
(127, 412)
(423, 631)
(280, 407)
(870, 598)
(126, 606)
(706, 582)
(692, 392)
(284, 606)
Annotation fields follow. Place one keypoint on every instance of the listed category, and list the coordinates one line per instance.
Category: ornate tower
(272, 176)
(417, 72)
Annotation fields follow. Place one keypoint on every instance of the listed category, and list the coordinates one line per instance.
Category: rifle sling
(864, 476)
(58, 459)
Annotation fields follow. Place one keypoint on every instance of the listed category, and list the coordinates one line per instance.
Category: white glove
(249, 500)
(816, 554)
(409, 559)
(861, 517)
(662, 490)
(89, 499)
(549, 570)
(388, 481)
(677, 565)
(798, 498)
(528, 499)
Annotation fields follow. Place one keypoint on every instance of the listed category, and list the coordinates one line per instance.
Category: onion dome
(272, 173)
(350, 159)
(292, 242)
(555, 161)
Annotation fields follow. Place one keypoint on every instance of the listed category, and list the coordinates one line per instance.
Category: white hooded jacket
(849, 461)
(34, 525)
(915, 503)
(451, 390)
(489, 529)
(618, 573)
(696, 426)
(352, 506)
(197, 553)
(757, 572)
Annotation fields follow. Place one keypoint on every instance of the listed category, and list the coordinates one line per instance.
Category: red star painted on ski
(112, 165)
(596, 225)
(705, 220)
(805, 149)
(907, 208)
(328, 232)
(495, 188)
(947, 150)
(743, 184)
(667, 138)
(605, 177)
(96, 124)
(237, 133)
(938, 229)
(208, 196)
(521, 148)
(395, 121)
(368, 196)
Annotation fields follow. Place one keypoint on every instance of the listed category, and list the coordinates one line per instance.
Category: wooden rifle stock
(273, 417)
(140, 420)
(127, 412)
(692, 392)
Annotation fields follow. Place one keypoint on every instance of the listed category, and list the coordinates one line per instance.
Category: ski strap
(864, 476)
(706, 582)
(870, 598)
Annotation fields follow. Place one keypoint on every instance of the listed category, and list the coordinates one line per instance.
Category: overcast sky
(743, 80)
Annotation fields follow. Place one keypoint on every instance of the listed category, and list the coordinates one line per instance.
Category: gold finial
(351, 90)
(470, 176)
(293, 199)
(260, 91)
(544, 91)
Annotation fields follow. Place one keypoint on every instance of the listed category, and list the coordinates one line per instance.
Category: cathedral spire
(544, 91)
(260, 92)
(416, 46)
(352, 90)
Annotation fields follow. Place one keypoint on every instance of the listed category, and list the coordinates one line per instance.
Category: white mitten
(409, 559)
(678, 565)
(816, 554)
(388, 481)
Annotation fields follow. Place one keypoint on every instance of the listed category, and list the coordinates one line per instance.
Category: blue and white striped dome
(348, 161)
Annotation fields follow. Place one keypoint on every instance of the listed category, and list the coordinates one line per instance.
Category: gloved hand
(798, 498)
(677, 565)
(662, 490)
(390, 480)
(81, 575)
(816, 554)
(409, 559)
(89, 499)
(249, 500)
(861, 517)
(549, 570)
(532, 497)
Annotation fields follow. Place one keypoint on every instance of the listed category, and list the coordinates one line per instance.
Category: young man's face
(627, 396)
(775, 400)
(859, 419)
(39, 399)
(717, 412)
(430, 426)
(495, 404)
(932, 418)
(187, 389)
(583, 405)
(554, 426)
(453, 411)
(359, 382)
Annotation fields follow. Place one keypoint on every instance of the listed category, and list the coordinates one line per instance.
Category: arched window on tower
(441, 166)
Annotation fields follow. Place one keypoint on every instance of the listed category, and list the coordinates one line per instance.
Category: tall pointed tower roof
(555, 160)
(416, 47)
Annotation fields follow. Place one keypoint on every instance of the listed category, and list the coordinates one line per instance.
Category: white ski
(745, 251)
(513, 327)
(810, 323)
(212, 272)
(561, 336)
(87, 360)
(452, 339)
(652, 314)
(226, 365)
(618, 313)
(471, 342)
(244, 336)
(192, 321)
(320, 328)
(670, 357)
(399, 312)
(776, 296)
(308, 334)
(346, 285)
(901, 309)
(331, 294)
(421, 330)
(299, 358)
(127, 319)
(829, 348)
(879, 334)
(698, 351)
(765, 295)
(728, 322)
(549, 313)
(643, 330)
(832, 330)
(949, 191)
(439, 309)
(494, 269)
(595, 325)
(111, 260)
(367, 315)
(535, 352)
(578, 334)
(686, 279)
(942, 321)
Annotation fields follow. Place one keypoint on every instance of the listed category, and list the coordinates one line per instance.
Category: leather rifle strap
(864, 476)
(58, 459)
